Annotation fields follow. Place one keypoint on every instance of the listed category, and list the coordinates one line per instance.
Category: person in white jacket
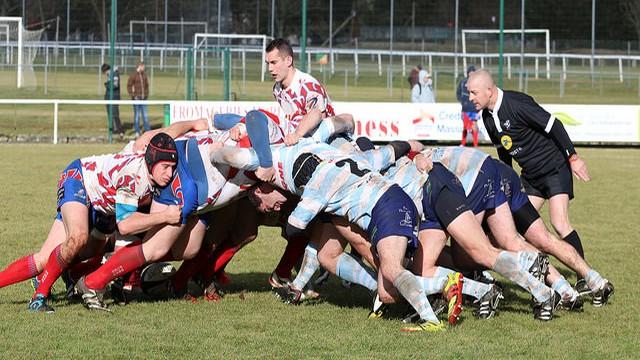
(422, 92)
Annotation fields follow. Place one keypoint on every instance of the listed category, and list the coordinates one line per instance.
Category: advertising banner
(440, 122)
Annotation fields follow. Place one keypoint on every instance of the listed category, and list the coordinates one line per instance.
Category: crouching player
(113, 185)
(330, 181)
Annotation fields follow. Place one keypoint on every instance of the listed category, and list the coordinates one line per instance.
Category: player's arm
(131, 221)
(540, 119)
(310, 205)
(564, 143)
(226, 121)
(338, 124)
(239, 158)
(174, 130)
(459, 91)
(308, 122)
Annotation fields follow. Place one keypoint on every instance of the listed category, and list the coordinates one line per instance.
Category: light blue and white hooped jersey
(405, 173)
(464, 162)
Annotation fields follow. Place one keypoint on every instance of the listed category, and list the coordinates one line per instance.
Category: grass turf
(251, 323)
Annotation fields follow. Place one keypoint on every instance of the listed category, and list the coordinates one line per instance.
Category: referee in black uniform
(524, 131)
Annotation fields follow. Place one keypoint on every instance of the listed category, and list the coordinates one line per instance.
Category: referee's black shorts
(558, 182)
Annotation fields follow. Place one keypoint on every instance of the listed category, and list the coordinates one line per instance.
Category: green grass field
(251, 323)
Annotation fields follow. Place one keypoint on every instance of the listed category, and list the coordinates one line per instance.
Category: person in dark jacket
(115, 109)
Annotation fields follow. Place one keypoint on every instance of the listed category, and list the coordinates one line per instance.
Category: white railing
(57, 102)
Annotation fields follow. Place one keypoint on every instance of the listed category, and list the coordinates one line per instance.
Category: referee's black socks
(574, 240)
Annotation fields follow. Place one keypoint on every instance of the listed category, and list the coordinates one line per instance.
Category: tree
(631, 11)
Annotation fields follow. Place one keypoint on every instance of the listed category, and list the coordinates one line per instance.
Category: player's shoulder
(517, 96)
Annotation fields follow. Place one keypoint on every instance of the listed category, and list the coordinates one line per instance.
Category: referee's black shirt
(519, 127)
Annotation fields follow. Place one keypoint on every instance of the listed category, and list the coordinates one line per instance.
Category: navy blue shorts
(182, 189)
(394, 214)
(511, 186)
(486, 193)
(558, 182)
(439, 179)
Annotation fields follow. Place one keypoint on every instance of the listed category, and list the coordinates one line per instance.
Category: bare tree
(631, 11)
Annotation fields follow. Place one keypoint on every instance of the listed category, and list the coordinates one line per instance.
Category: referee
(524, 131)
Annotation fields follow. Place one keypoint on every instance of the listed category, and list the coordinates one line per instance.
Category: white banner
(389, 121)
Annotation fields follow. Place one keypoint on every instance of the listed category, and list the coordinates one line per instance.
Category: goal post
(509, 31)
(200, 40)
(14, 23)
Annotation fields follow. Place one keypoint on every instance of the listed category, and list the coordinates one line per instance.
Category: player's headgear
(161, 148)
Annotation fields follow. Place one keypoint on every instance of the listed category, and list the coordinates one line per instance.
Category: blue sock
(409, 286)
(508, 266)
(258, 130)
(310, 265)
(594, 280)
(356, 272)
(225, 121)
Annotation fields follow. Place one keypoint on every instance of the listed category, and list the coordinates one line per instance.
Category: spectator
(115, 109)
(422, 92)
(138, 89)
(413, 76)
(469, 114)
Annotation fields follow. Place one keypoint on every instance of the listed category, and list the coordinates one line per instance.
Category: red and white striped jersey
(116, 182)
(302, 95)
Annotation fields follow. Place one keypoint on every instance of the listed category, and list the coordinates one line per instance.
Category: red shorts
(468, 119)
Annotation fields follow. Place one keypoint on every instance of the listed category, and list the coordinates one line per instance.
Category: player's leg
(75, 217)
(391, 250)
(333, 258)
(465, 126)
(31, 265)
(474, 131)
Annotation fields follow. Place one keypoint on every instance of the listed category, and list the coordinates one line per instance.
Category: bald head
(483, 93)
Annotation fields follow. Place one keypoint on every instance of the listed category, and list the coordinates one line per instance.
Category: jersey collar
(494, 113)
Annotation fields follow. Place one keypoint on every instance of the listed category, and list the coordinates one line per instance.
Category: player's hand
(237, 132)
(291, 139)
(423, 163)
(579, 168)
(173, 214)
(266, 174)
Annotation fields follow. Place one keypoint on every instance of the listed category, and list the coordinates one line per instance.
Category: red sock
(464, 137)
(191, 267)
(120, 263)
(52, 270)
(19, 270)
(292, 253)
(86, 267)
(219, 259)
(475, 138)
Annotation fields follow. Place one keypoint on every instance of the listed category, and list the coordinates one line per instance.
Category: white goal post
(200, 38)
(18, 21)
(508, 31)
